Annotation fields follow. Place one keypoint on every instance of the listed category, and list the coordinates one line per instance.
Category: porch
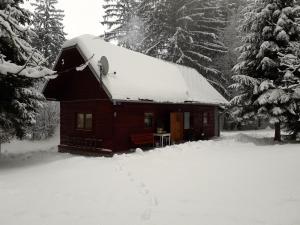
(171, 128)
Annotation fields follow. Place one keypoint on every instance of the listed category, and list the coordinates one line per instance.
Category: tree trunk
(277, 136)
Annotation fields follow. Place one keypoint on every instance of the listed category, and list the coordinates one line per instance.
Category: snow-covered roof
(134, 76)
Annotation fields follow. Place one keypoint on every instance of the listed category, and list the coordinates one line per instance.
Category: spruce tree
(184, 32)
(290, 69)
(19, 70)
(50, 36)
(123, 22)
(49, 29)
(230, 37)
(266, 83)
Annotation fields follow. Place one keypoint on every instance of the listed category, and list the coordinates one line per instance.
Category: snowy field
(239, 179)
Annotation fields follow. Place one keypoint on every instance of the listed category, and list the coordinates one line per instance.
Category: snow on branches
(49, 29)
(26, 71)
(269, 62)
(20, 70)
(184, 32)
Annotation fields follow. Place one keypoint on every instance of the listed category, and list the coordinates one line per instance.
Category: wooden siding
(71, 84)
(115, 123)
(102, 121)
(129, 119)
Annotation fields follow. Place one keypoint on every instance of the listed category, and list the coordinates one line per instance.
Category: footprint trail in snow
(151, 200)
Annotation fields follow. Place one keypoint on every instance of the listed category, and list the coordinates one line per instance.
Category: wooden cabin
(136, 97)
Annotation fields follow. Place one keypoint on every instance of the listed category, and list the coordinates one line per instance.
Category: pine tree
(49, 29)
(19, 70)
(230, 37)
(46, 122)
(290, 69)
(50, 36)
(231, 7)
(266, 85)
(184, 32)
(122, 22)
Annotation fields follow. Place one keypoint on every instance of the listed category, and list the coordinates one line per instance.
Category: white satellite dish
(104, 65)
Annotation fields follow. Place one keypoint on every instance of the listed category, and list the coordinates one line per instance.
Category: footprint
(145, 191)
(146, 215)
(154, 201)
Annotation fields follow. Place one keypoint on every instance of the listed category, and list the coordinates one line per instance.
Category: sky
(81, 17)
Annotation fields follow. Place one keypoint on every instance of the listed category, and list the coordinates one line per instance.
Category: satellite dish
(104, 65)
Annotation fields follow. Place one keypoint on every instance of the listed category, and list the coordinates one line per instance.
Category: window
(148, 120)
(84, 121)
(88, 121)
(205, 118)
(80, 121)
(187, 121)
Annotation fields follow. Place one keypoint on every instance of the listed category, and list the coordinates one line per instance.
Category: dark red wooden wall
(129, 119)
(80, 92)
(102, 120)
(72, 84)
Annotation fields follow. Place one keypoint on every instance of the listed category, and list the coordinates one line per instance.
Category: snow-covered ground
(239, 179)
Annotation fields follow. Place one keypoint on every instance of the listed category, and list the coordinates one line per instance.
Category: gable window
(187, 120)
(148, 120)
(84, 121)
(205, 118)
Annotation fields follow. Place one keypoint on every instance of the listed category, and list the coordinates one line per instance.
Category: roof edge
(171, 103)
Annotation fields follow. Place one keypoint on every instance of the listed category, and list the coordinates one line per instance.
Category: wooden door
(176, 126)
